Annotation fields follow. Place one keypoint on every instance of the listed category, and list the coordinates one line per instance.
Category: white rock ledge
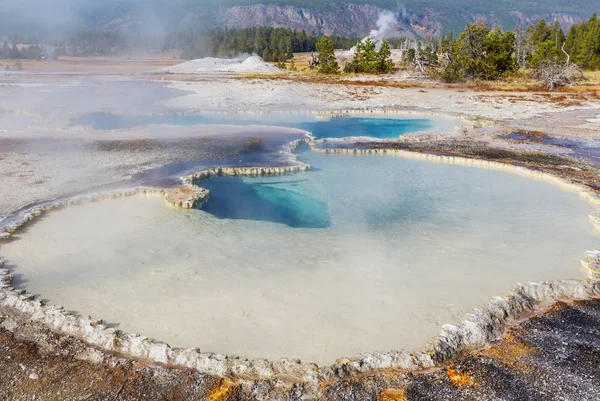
(289, 150)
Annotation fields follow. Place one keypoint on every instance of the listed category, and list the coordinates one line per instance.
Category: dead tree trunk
(553, 74)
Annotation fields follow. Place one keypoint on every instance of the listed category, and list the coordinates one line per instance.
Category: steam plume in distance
(387, 26)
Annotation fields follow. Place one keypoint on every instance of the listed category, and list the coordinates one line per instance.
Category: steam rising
(387, 26)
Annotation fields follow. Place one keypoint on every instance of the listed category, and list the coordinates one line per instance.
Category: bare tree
(520, 45)
(553, 74)
(420, 62)
(314, 62)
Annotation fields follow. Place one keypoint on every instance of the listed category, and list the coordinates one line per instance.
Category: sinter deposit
(241, 64)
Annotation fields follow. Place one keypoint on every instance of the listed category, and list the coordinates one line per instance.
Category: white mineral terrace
(261, 289)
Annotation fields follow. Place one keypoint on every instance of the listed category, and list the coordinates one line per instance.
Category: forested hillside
(583, 44)
(449, 15)
(152, 18)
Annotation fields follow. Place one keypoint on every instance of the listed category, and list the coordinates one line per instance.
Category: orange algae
(324, 385)
(392, 394)
(510, 351)
(223, 391)
(458, 378)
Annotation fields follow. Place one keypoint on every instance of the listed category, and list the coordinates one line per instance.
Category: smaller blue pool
(341, 127)
(383, 128)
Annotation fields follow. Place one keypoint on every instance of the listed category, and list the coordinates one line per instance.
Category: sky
(59, 17)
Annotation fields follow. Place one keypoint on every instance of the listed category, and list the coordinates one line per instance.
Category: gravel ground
(278, 94)
(552, 356)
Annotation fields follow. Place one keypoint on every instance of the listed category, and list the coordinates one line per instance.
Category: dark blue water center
(341, 127)
(288, 200)
(278, 202)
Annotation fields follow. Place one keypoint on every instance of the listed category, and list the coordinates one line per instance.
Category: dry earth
(552, 356)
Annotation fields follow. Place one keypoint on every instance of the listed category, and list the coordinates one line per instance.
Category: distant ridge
(344, 17)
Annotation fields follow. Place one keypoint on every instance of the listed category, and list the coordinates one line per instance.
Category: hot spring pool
(362, 254)
(356, 126)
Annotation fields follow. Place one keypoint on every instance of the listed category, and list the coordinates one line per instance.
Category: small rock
(34, 376)
(90, 355)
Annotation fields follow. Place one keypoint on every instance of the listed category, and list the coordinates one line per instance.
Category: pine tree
(478, 53)
(541, 33)
(583, 44)
(370, 61)
(384, 61)
(326, 55)
(498, 59)
(470, 50)
(591, 45)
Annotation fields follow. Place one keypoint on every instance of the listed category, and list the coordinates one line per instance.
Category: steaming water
(362, 254)
(333, 128)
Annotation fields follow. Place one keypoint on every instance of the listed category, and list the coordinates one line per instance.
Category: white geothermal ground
(411, 245)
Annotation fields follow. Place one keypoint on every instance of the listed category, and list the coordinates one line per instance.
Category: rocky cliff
(344, 19)
(336, 19)
(354, 19)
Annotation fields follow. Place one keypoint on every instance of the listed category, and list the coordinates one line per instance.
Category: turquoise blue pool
(341, 127)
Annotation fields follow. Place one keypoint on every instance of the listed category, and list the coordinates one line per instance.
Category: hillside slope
(347, 17)
(357, 17)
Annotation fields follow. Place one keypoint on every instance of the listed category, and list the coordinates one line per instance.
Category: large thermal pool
(361, 254)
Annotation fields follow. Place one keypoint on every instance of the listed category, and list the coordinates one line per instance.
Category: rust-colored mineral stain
(458, 378)
(324, 385)
(557, 306)
(510, 351)
(180, 194)
(223, 391)
(392, 394)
